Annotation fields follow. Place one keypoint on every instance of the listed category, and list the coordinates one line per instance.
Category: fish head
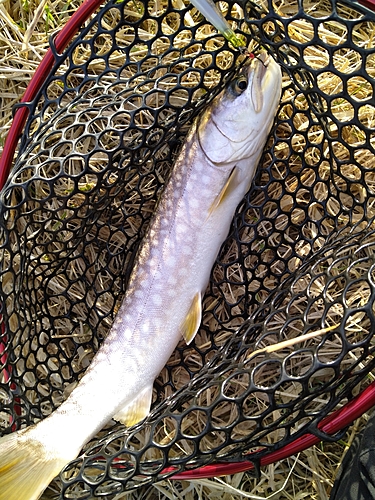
(237, 123)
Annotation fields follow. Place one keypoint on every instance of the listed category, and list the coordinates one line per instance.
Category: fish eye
(239, 85)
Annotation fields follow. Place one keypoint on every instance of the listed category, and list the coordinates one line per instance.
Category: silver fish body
(163, 301)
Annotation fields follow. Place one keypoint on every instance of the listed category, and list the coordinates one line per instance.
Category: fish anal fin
(193, 319)
(137, 410)
(228, 188)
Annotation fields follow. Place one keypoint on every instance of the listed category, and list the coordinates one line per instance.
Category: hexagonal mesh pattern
(97, 148)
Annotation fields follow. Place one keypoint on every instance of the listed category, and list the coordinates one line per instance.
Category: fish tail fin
(26, 466)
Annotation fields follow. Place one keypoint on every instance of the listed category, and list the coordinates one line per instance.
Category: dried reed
(24, 30)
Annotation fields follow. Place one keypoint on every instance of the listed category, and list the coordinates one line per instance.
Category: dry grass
(23, 42)
(24, 30)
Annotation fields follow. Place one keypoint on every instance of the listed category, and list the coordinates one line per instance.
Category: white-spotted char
(163, 300)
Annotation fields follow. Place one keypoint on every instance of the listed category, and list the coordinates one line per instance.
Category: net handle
(41, 73)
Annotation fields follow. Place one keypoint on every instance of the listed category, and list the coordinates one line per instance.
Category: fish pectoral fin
(228, 188)
(137, 410)
(193, 319)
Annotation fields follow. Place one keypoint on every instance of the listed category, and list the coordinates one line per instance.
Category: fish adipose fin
(228, 188)
(137, 410)
(26, 468)
(193, 319)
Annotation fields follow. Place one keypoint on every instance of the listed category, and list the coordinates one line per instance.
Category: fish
(163, 301)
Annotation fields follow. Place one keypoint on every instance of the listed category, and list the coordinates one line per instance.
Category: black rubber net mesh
(96, 151)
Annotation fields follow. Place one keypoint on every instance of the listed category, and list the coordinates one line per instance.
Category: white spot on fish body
(171, 261)
(205, 180)
(171, 293)
(157, 300)
(189, 251)
(145, 327)
(172, 282)
(153, 262)
(139, 293)
(158, 286)
(183, 272)
(127, 333)
(195, 203)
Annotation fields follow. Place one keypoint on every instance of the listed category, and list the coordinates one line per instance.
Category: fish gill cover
(95, 153)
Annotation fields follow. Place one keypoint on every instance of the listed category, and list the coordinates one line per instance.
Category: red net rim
(332, 424)
(41, 73)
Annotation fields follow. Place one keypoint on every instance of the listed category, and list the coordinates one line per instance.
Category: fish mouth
(260, 65)
(264, 59)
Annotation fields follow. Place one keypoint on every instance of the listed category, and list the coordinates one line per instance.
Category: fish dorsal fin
(137, 410)
(193, 318)
(228, 188)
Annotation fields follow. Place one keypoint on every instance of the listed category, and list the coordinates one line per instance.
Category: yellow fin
(26, 467)
(193, 318)
(137, 410)
(228, 188)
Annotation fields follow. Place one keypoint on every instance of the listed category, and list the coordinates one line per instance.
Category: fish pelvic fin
(228, 188)
(137, 410)
(26, 467)
(193, 319)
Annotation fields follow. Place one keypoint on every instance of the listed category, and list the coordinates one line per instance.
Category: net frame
(340, 418)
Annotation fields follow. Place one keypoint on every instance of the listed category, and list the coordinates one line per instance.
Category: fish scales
(180, 239)
(163, 300)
